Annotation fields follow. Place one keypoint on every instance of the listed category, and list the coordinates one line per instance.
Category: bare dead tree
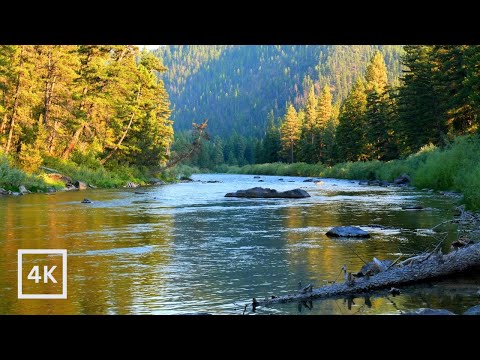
(198, 133)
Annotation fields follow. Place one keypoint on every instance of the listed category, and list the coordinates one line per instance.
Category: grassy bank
(456, 167)
(88, 171)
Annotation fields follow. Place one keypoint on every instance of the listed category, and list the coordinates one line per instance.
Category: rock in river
(347, 231)
(258, 192)
(80, 185)
(403, 179)
(23, 190)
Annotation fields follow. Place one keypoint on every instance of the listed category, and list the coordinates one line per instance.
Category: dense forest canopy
(93, 103)
(235, 87)
(359, 107)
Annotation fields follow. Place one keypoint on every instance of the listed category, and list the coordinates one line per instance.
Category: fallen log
(435, 266)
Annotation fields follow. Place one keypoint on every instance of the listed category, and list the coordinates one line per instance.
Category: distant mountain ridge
(235, 86)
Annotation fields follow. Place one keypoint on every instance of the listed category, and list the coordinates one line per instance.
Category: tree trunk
(15, 104)
(435, 266)
(104, 160)
(73, 142)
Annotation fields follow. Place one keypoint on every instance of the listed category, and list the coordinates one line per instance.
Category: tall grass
(456, 167)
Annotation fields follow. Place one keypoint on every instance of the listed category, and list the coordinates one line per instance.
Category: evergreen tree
(290, 132)
(324, 121)
(309, 128)
(419, 108)
(376, 74)
(351, 123)
(450, 75)
(272, 144)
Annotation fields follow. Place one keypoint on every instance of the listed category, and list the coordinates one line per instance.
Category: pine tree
(309, 128)
(290, 132)
(272, 144)
(450, 75)
(350, 135)
(421, 119)
(324, 117)
(376, 74)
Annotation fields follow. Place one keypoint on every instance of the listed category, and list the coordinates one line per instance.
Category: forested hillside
(235, 87)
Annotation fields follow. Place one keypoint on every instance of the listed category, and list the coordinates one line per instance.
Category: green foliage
(101, 100)
(235, 87)
(29, 158)
(453, 168)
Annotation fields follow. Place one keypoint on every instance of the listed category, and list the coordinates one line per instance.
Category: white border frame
(62, 252)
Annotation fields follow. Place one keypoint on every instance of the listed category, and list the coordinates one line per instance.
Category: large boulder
(475, 310)
(427, 311)
(403, 179)
(259, 192)
(155, 181)
(80, 185)
(347, 231)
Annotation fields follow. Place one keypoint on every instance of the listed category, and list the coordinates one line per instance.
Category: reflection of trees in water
(97, 284)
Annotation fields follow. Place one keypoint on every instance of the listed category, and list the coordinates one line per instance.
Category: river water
(185, 248)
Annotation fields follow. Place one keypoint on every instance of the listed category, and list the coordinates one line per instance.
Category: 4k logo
(41, 277)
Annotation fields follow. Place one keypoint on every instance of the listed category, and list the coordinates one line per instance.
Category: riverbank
(47, 179)
(454, 168)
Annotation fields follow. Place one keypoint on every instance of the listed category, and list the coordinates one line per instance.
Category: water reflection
(185, 248)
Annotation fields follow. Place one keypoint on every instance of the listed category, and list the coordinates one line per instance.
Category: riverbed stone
(23, 190)
(475, 310)
(259, 192)
(403, 179)
(80, 185)
(3, 192)
(427, 311)
(347, 231)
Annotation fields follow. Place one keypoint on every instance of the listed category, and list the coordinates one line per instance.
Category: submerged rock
(256, 177)
(403, 179)
(87, 201)
(347, 231)
(427, 311)
(258, 192)
(185, 179)
(155, 181)
(414, 207)
(308, 180)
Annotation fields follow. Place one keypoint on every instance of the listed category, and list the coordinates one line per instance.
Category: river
(185, 248)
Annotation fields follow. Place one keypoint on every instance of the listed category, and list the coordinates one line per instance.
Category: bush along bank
(59, 175)
(453, 168)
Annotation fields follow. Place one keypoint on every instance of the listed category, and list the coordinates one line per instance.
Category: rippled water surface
(185, 248)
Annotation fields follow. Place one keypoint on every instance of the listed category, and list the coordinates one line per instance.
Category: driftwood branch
(435, 266)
